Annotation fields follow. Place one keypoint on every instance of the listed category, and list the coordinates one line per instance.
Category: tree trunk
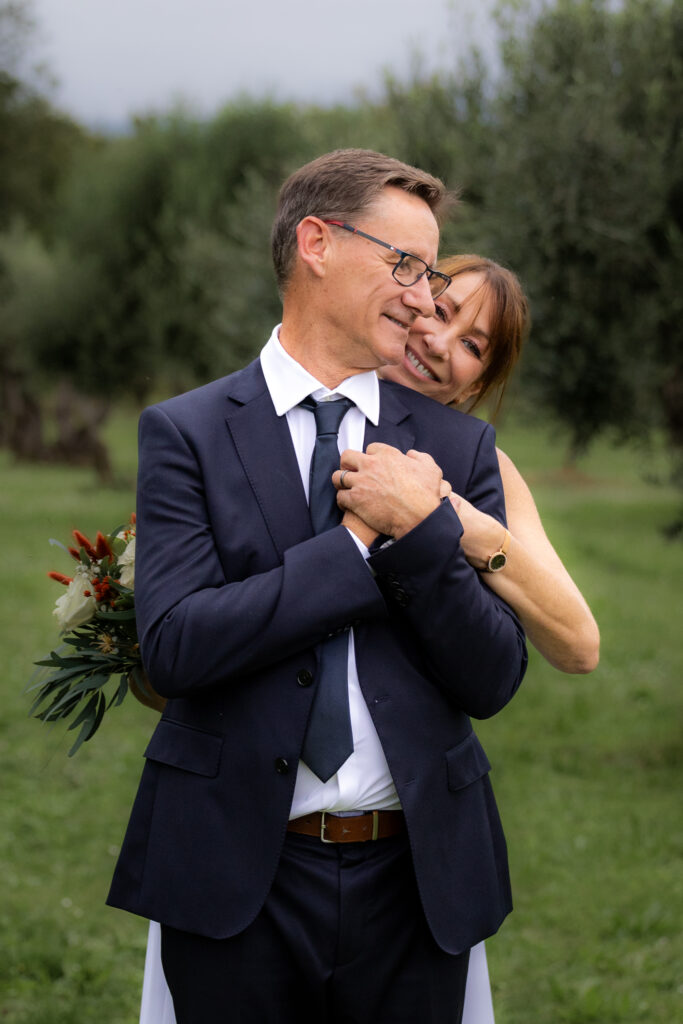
(21, 421)
(78, 419)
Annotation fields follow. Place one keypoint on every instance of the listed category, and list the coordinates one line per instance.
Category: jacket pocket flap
(466, 763)
(182, 746)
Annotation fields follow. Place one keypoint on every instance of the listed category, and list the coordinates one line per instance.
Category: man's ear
(313, 242)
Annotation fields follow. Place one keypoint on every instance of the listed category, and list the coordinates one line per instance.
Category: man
(354, 891)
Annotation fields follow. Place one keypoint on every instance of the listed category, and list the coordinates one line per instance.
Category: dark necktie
(328, 742)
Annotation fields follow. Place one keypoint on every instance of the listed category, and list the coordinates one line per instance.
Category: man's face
(369, 312)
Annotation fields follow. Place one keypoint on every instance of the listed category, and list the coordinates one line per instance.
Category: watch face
(497, 561)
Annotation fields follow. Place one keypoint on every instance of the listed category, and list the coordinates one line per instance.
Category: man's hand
(390, 492)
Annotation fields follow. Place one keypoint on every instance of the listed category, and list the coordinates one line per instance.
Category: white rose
(127, 563)
(74, 608)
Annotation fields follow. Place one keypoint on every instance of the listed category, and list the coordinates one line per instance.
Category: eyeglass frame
(429, 271)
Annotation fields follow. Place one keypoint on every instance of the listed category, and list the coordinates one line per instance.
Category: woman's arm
(534, 582)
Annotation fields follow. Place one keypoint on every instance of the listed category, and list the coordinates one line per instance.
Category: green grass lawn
(587, 769)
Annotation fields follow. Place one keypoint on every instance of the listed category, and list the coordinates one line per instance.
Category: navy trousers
(341, 939)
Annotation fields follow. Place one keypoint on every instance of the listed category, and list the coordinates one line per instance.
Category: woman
(459, 356)
(465, 352)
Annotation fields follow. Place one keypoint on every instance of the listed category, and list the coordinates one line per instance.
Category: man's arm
(197, 627)
(469, 638)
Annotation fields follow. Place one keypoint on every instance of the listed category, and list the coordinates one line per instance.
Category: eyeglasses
(409, 268)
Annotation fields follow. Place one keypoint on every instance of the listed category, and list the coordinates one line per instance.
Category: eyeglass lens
(409, 270)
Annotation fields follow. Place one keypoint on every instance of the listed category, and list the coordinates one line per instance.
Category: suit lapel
(264, 446)
(396, 426)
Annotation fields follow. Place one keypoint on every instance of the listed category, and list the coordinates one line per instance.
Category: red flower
(102, 548)
(103, 592)
(83, 542)
(60, 577)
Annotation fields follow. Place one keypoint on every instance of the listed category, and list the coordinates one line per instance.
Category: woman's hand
(355, 524)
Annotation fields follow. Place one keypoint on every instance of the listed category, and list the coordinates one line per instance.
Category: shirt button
(281, 765)
(304, 678)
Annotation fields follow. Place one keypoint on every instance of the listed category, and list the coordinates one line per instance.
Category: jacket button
(281, 765)
(304, 678)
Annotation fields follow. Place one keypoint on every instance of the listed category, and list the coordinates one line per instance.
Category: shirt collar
(288, 382)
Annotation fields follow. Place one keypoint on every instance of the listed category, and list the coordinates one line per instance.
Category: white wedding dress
(157, 1005)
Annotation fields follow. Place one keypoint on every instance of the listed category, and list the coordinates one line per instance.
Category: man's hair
(339, 186)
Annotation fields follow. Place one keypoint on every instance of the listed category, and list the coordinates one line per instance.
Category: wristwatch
(499, 558)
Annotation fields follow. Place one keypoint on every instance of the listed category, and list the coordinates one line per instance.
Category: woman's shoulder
(522, 514)
(511, 475)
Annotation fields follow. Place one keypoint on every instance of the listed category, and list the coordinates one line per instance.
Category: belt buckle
(323, 826)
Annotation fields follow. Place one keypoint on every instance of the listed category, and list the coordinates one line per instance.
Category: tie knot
(328, 415)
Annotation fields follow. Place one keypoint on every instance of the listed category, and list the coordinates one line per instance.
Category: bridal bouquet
(96, 617)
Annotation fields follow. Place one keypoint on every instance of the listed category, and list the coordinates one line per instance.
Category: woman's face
(446, 354)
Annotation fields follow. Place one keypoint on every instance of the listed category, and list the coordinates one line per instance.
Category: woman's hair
(510, 318)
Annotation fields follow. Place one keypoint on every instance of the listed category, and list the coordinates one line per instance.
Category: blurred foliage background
(136, 265)
(140, 263)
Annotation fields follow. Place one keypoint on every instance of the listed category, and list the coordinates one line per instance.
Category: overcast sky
(112, 58)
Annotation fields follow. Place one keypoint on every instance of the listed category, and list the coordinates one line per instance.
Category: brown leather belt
(330, 828)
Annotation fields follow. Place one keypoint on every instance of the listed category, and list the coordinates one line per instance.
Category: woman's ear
(313, 243)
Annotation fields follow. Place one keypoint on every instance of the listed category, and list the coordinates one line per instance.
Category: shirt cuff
(365, 552)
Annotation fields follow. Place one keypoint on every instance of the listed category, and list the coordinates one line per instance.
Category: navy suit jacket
(234, 592)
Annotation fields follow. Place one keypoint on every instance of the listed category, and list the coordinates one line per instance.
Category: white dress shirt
(363, 782)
